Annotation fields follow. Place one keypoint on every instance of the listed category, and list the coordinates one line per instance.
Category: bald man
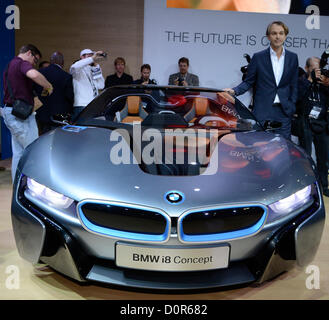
(61, 101)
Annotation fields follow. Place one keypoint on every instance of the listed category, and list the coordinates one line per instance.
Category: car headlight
(295, 201)
(47, 195)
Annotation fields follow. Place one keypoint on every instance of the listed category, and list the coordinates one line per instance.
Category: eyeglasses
(36, 60)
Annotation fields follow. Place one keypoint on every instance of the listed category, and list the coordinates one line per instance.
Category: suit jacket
(62, 98)
(261, 77)
(190, 78)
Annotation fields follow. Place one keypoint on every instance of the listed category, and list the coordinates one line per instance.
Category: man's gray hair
(310, 59)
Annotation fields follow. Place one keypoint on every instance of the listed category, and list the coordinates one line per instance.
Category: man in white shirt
(87, 79)
(277, 64)
(273, 73)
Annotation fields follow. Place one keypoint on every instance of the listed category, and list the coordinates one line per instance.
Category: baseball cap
(86, 51)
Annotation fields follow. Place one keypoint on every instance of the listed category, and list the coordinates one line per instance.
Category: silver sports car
(167, 188)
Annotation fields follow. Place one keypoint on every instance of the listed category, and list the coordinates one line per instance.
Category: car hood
(257, 167)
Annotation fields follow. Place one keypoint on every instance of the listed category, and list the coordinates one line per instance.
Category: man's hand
(184, 83)
(321, 78)
(230, 91)
(224, 97)
(97, 57)
(37, 103)
(317, 73)
(47, 91)
(324, 80)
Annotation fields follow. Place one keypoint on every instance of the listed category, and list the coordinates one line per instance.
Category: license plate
(171, 259)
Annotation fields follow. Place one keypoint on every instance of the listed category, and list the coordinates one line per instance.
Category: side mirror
(272, 125)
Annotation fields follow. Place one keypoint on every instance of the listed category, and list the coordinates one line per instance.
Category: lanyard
(95, 92)
(315, 93)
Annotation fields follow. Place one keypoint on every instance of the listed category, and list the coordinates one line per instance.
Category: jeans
(23, 133)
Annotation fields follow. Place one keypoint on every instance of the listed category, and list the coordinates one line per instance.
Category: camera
(244, 69)
(180, 81)
(104, 55)
(324, 62)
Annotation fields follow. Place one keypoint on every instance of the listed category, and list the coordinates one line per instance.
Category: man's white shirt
(278, 66)
(87, 80)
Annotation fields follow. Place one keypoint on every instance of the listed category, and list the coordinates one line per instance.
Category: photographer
(312, 108)
(183, 77)
(87, 79)
(19, 78)
(145, 76)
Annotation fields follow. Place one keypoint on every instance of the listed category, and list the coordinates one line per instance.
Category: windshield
(170, 130)
(168, 107)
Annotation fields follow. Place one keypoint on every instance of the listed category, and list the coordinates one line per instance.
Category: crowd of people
(280, 92)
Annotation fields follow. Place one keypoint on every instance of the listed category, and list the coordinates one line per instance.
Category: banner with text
(8, 21)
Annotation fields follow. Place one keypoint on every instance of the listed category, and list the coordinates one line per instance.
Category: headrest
(201, 106)
(133, 103)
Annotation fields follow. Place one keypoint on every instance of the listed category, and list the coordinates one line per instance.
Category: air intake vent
(222, 223)
(124, 221)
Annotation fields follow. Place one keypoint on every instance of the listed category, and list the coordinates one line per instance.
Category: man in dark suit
(61, 101)
(273, 73)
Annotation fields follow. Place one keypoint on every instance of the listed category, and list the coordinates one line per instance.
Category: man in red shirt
(21, 74)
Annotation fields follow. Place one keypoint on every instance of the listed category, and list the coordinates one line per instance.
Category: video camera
(323, 64)
(244, 69)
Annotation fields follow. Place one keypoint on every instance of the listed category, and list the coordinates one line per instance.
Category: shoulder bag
(20, 108)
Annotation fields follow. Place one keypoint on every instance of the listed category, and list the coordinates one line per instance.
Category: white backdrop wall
(215, 41)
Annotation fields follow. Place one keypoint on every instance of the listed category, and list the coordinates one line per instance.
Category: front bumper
(40, 238)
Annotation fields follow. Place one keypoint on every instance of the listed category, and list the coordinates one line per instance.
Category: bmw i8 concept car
(167, 188)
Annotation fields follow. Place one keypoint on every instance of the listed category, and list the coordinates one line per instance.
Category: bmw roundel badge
(174, 197)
